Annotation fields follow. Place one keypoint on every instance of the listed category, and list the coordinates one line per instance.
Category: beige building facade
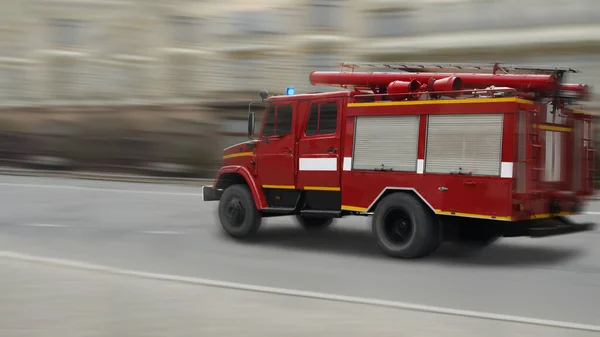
(91, 52)
(119, 52)
(55, 51)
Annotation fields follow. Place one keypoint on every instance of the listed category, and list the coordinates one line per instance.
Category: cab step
(321, 213)
(279, 210)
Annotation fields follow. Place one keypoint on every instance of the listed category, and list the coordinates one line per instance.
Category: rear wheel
(237, 213)
(404, 227)
(313, 222)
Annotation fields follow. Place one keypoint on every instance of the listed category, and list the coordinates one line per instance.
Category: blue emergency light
(290, 91)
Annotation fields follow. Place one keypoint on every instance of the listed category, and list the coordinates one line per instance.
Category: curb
(105, 177)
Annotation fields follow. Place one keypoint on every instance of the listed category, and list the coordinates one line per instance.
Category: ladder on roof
(454, 67)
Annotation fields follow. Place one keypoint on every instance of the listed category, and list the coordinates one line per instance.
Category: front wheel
(237, 212)
(405, 228)
(313, 222)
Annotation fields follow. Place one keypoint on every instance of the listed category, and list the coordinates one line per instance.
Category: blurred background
(163, 86)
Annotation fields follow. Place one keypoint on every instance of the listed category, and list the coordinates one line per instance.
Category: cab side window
(322, 119)
(269, 128)
(284, 120)
(328, 118)
(312, 126)
(278, 120)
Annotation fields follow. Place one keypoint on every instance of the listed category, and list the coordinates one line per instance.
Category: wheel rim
(397, 227)
(236, 212)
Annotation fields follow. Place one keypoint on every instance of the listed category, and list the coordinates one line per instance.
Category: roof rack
(476, 68)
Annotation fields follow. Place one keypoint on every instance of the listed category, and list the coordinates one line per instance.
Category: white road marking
(161, 232)
(299, 293)
(42, 225)
(101, 189)
(592, 213)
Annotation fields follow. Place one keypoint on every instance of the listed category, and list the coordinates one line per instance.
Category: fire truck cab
(468, 156)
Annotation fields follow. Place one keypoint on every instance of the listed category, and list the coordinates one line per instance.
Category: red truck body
(436, 152)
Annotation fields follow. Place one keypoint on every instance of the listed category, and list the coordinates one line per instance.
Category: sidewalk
(4, 170)
(50, 301)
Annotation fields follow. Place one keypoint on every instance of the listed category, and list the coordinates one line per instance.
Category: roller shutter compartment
(391, 141)
(470, 143)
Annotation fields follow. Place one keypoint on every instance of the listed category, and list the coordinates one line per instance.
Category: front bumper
(210, 194)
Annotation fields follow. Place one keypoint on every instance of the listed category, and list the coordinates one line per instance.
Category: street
(167, 229)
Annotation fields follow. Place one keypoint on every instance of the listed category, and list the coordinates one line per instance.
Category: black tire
(405, 228)
(312, 223)
(237, 212)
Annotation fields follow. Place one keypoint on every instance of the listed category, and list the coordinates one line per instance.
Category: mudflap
(549, 227)
(210, 194)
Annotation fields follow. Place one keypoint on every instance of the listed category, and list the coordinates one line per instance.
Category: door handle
(332, 150)
(470, 183)
(288, 150)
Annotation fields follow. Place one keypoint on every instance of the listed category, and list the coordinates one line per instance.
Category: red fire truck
(465, 153)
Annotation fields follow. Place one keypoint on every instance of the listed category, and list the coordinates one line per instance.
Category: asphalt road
(50, 301)
(168, 229)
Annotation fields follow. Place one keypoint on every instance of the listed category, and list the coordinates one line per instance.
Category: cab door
(276, 151)
(319, 154)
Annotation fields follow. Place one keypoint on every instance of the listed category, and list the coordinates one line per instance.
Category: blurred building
(539, 32)
(217, 55)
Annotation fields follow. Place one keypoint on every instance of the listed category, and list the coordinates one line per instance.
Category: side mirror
(251, 122)
(264, 94)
